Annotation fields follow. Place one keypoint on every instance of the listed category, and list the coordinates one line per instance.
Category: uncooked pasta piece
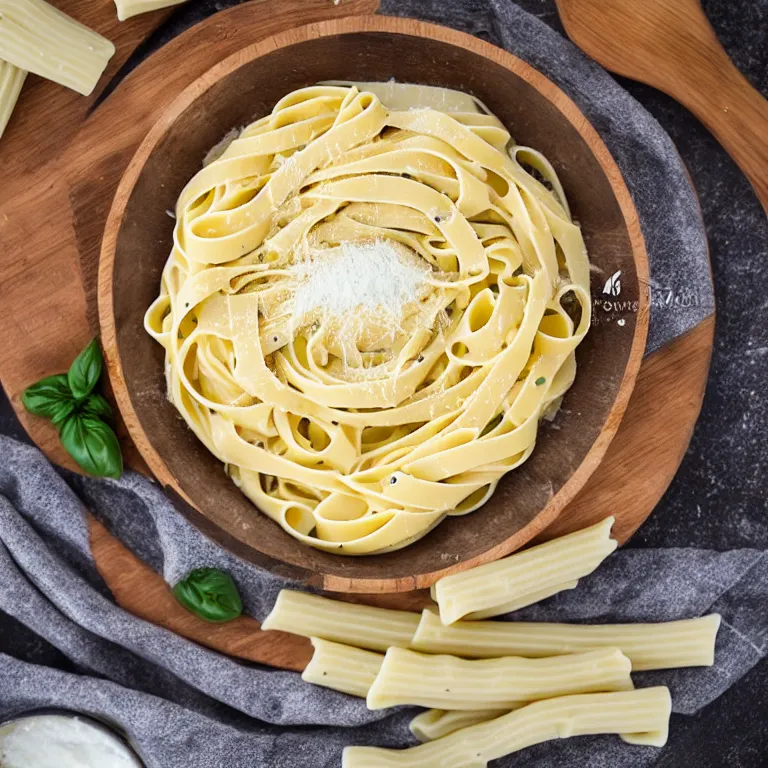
(436, 723)
(342, 667)
(11, 80)
(128, 8)
(643, 711)
(448, 682)
(664, 645)
(360, 625)
(494, 586)
(36, 37)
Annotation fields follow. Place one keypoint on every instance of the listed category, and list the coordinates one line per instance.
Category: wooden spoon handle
(722, 98)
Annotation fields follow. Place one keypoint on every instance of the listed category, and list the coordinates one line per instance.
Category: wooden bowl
(245, 86)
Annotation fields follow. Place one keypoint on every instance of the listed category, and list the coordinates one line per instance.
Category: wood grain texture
(137, 238)
(631, 479)
(671, 45)
(39, 257)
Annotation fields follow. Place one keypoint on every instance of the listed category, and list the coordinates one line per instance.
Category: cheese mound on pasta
(367, 311)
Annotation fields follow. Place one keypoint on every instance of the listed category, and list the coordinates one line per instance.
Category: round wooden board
(47, 324)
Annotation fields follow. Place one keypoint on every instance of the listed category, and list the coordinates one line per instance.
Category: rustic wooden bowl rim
(409, 27)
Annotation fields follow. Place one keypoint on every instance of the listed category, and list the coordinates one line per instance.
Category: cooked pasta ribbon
(355, 421)
(448, 682)
(663, 645)
(36, 37)
(11, 80)
(342, 667)
(363, 626)
(643, 711)
(522, 577)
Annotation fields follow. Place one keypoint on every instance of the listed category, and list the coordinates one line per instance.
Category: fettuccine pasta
(366, 313)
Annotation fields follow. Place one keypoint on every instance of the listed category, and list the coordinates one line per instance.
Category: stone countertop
(718, 498)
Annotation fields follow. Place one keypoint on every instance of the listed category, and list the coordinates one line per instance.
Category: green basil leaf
(84, 373)
(61, 411)
(46, 397)
(93, 445)
(97, 406)
(211, 594)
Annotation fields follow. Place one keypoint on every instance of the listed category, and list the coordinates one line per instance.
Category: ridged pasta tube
(531, 572)
(448, 682)
(128, 8)
(687, 643)
(361, 625)
(436, 723)
(39, 38)
(11, 80)
(627, 712)
(521, 602)
(341, 667)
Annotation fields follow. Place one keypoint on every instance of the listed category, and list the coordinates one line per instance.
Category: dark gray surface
(718, 498)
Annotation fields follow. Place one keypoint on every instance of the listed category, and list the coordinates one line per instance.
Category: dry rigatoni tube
(128, 8)
(39, 38)
(629, 712)
(533, 571)
(436, 723)
(11, 80)
(349, 623)
(522, 602)
(666, 645)
(341, 667)
(448, 682)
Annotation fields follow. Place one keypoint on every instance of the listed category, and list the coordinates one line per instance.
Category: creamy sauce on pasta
(357, 425)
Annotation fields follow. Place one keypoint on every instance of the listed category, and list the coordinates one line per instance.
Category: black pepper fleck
(392, 480)
(420, 359)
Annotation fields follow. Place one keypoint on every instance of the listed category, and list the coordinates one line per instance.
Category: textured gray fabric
(51, 585)
(681, 284)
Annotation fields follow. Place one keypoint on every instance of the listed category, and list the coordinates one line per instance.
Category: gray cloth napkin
(184, 705)
(218, 711)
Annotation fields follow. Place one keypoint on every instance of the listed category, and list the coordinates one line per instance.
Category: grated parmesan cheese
(364, 277)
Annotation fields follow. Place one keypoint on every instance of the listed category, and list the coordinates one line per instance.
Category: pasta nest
(358, 429)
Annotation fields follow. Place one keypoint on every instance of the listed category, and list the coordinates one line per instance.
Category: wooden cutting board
(60, 169)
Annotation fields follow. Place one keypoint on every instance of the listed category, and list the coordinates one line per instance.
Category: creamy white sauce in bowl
(62, 741)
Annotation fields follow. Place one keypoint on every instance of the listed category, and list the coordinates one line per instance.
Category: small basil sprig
(211, 594)
(69, 401)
